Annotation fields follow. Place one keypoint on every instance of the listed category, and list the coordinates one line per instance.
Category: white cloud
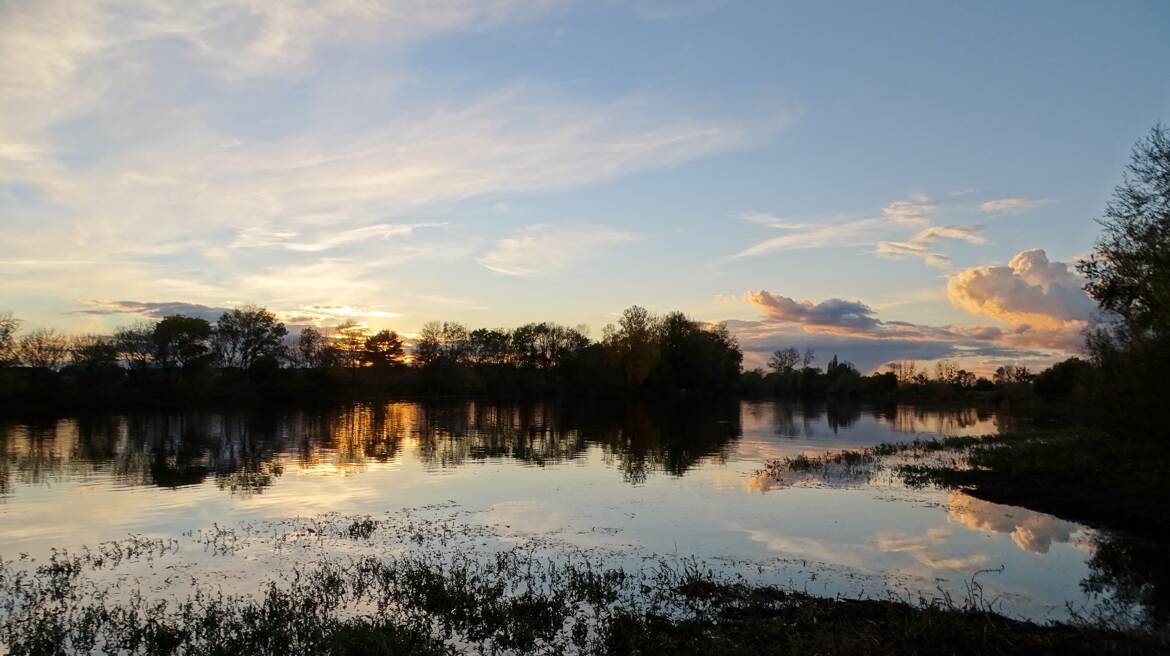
(1029, 291)
(900, 250)
(969, 234)
(260, 238)
(800, 236)
(542, 249)
(1010, 205)
(915, 211)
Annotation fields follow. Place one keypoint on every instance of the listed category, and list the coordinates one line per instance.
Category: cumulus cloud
(1010, 205)
(1030, 291)
(833, 313)
(542, 249)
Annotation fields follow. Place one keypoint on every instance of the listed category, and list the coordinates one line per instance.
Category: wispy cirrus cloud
(919, 244)
(323, 241)
(542, 249)
(1011, 205)
(916, 211)
(799, 236)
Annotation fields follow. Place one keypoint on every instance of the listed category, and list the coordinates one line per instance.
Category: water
(630, 480)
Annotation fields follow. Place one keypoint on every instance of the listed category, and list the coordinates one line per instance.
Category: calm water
(632, 480)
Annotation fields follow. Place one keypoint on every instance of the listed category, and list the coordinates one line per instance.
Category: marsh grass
(412, 584)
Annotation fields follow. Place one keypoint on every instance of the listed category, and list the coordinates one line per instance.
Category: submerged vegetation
(406, 584)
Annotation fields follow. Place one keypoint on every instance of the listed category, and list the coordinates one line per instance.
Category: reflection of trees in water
(946, 421)
(246, 452)
(451, 434)
(1128, 573)
(790, 420)
(645, 438)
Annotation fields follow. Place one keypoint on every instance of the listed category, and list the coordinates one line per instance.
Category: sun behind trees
(248, 354)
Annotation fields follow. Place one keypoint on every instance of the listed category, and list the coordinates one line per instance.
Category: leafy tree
(181, 341)
(43, 348)
(249, 335)
(383, 349)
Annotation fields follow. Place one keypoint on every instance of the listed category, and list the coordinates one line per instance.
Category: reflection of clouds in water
(1031, 531)
(926, 549)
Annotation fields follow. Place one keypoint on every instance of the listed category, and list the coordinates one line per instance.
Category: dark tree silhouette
(247, 336)
(383, 349)
(43, 348)
(8, 327)
(181, 341)
(1129, 275)
(1129, 271)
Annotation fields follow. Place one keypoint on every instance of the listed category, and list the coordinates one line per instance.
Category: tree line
(249, 352)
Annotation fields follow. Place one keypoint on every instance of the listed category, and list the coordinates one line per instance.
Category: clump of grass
(361, 528)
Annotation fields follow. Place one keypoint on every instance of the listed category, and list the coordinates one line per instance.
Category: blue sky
(498, 162)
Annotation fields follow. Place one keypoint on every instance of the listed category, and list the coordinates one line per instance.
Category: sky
(899, 180)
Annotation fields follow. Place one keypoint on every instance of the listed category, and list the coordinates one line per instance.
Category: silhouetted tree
(247, 336)
(135, 344)
(784, 360)
(1129, 275)
(43, 348)
(1129, 270)
(349, 340)
(383, 349)
(93, 352)
(181, 341)
(633, 343)
(1063, 378)
(442, 343)
(8, 327)
(490, 347)
(310, 350)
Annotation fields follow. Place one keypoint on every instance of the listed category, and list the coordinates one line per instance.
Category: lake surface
(633, 481)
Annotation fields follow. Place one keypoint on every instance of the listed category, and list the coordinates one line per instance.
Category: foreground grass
(411, 586)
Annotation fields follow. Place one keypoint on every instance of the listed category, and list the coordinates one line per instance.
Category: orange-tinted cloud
(1043, 302)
